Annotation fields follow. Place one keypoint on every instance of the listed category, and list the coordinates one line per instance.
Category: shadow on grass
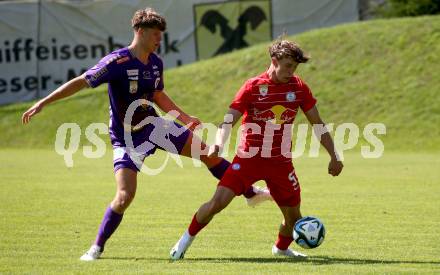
(326, 260)
(320, 260)
(317, 260)
(127, 258)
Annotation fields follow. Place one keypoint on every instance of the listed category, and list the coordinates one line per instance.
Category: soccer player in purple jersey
(135, 75)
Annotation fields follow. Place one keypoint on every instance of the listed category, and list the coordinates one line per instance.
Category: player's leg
(174, 138)
(286, 191)
(218, 165)
(285, 238)
(222, 197)
(290, 215)
(193, 147)
(126, 183)
(256, 195)
(237, 178)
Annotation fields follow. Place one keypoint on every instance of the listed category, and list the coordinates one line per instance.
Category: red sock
(195, 226)
(283, 242)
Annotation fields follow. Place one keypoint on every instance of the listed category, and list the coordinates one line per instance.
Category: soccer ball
(309, 232)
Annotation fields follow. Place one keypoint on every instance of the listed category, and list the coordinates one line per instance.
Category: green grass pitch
(377, 221)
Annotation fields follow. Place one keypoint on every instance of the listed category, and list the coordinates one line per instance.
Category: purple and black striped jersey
(128, 80)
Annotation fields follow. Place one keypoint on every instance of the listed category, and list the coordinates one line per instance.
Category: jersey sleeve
(101, 72)
(309, 101)
(242, 98)
(158, 82)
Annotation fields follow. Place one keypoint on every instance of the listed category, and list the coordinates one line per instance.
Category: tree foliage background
(402, 8)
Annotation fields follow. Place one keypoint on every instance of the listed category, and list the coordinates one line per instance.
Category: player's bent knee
(123, 199)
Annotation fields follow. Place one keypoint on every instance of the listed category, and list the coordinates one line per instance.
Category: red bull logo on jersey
(278, 114)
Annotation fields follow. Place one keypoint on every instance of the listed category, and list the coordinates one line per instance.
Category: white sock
(186, 237)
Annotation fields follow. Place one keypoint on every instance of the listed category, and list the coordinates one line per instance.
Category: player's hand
(35, 109)
(335, 167)
(192, 123)
(214, 151)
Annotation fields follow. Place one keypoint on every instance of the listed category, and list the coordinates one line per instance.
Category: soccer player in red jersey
(268, 104)
(135, 74)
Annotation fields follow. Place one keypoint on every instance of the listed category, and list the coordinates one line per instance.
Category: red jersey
(269, 110)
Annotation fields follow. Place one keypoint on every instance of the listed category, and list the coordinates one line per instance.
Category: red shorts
(280, 178)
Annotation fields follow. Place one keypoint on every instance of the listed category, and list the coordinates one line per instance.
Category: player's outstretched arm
(67, 89)
(335, 166)
(223, 132)
(164, 102)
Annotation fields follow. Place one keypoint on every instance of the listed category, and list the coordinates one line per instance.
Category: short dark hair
(148, 18)
(284, 48)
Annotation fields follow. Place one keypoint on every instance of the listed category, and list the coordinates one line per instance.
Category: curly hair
(284, 48)
(148, 18)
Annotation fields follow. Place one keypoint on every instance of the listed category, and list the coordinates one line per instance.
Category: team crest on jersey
(290, 96)
(133, 86)
(263, 89)
(236, 166)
